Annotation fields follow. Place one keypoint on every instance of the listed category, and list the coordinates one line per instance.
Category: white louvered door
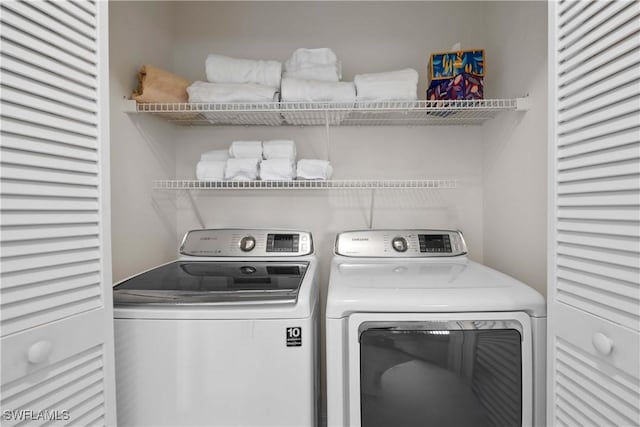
(55, 293)
(594, 239)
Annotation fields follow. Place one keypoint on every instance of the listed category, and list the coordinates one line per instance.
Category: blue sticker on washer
(294, 336)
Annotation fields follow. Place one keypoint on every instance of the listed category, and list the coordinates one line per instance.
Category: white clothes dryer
(419, 335)
(224, 336)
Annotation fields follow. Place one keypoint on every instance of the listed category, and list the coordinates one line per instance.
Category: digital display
(282, 243)
(434, 243)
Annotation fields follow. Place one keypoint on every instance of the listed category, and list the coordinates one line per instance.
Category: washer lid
(214, 282)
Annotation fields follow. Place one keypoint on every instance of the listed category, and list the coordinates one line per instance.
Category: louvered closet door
(55, 293)
(594, 245)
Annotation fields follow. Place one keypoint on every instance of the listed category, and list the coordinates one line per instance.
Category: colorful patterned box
(462, 86)
(446, 65)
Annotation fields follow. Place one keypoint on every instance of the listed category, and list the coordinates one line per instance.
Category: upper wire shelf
(378, 113)
(345, 184)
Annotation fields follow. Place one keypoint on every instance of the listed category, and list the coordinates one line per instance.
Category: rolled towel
(210, 170)
(231, 92)
(407, 74)
(279, 149)
(314, 169)
(242, 169)
(157, 85)
(277, 170)
(296, 90)
(224, 69)
(392, 85)
(215, 155)
(246, 149)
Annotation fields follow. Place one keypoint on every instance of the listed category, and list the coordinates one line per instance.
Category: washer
(418, 334)
(224, 336)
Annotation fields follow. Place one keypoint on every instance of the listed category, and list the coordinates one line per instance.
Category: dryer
(419, 335)
(224, 336)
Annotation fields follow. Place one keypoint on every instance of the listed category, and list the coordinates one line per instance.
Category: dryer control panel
(246, 243)
(400, 243)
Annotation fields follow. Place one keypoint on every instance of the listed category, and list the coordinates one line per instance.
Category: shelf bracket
(195, 209)
(523, 104)
(129, 105)
(372, 206)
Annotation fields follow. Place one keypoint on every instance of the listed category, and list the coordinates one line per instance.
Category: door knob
(602, 343)
(39, 351)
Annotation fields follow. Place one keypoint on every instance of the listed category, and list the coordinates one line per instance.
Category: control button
(247, 243)
(247, 269)
(304, 238)
(399, 244)
(304, 247)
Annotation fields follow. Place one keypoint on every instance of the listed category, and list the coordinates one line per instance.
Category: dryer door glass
(440, 378)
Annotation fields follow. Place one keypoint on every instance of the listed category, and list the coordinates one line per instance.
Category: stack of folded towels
(238, 80)
(279, 160)
(314, 75)
(269, 160)
(401, 85)
(212, 165)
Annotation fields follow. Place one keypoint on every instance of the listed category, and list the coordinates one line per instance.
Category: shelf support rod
(372, 207)
(195, 209)
(327, 140)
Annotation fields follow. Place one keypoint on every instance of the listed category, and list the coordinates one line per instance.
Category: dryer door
(437, 372)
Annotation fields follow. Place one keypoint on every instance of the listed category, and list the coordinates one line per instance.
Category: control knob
(247, 243)
(399, 244)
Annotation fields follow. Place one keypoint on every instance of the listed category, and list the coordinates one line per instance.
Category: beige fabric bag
(157, 85)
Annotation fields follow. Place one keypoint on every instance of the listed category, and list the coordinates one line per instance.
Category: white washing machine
(419, 335)
(224, 336)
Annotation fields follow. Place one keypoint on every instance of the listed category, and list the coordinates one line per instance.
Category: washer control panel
(246, 243)
(401, 243)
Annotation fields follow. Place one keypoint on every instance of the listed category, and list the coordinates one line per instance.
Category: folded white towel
(304, 57)
(210, 170)
(314, 169)
(246, 149)
(215, 155)
(279, 149)
(242, 169)
(231, 92)
(392, 85)
(224, 69)
(313, 64)
(277, 170)
(314, 90)
(329, 73)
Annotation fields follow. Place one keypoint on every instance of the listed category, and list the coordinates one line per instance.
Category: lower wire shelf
(337, 184)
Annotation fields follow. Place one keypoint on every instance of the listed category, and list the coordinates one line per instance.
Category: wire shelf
(343, 184)
(382, 113)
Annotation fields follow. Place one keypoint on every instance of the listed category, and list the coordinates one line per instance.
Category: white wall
(142, 148)
(515, 151)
